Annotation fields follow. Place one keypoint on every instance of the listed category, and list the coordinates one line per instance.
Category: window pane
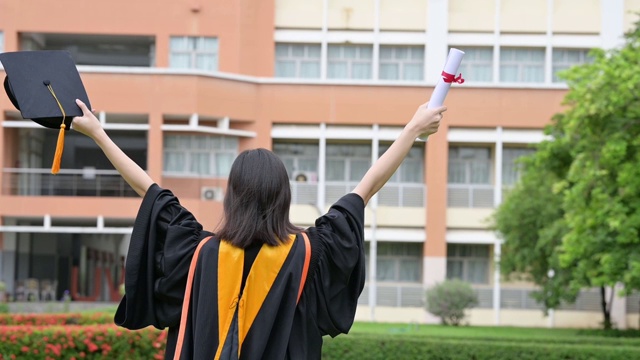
(361, 71)
(180, 61)
(200, 164)
(282, 50)
(178, 43)
(413, 72)
(313, 51)
(337, 70)
(386, 270)
(454, 269)
(410, 270)
(205, 62)
(174, 161)
(297, 50)
(349, 52)
(310, 69)
(223, 163)
(386, 52)
(358, 169)
(366, 52)
(335, 170)
(285, 68)
(334, 52)
(389, 71)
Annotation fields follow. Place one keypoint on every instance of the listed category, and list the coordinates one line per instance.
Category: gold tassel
(55, 168)
(57, 158)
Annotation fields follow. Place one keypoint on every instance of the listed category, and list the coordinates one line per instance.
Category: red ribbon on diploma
(449, 78)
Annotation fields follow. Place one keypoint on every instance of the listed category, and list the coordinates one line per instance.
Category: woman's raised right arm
(424, 121)
(133, 174)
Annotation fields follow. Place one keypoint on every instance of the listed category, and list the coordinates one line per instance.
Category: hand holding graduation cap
(132, 173)
(86, 124)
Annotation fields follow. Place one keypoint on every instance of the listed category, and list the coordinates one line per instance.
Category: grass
(497, 334)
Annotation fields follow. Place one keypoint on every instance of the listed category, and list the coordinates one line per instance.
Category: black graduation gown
(274, 324)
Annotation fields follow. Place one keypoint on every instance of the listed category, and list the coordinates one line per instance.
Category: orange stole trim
(230, 266)
(305, 269)
(187, 299)
(262, 275)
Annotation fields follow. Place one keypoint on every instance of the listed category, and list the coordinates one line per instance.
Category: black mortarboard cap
(44, 85)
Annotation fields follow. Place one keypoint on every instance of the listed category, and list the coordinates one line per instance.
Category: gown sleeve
(338, 263)
(164, 238)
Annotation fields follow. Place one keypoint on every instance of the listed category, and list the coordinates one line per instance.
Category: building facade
(184, 86)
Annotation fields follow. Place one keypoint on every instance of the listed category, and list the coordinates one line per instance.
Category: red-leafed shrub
(80, 342)
(56, 319)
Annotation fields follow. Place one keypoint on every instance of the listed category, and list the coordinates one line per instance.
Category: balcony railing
(392, 194)
(81, 182)
(470, 195)
(396, 295)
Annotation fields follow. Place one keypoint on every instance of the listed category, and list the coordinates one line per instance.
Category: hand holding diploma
(444, 83)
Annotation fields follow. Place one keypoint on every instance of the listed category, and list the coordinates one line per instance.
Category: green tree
(577, 207)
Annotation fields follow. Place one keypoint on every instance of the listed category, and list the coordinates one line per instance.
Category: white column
(375, 64)
(496, 43)
(322, 161)
(323, 45)
(548, 59)
(373, 243)
(438, 24)
(497, 246)
(612, 25)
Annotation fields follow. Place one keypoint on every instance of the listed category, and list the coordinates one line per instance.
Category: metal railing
(395, 295)
(392, 194)
(470, 195)
(68, 182)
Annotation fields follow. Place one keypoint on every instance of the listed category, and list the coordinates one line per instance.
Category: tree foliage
(449, 300)
(576, 209)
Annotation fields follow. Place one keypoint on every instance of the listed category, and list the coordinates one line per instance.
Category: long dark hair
(257, 201)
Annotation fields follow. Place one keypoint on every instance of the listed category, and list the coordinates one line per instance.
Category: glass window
(1, 41)
(199, 155)
(525, 65)
(563, 59)
(347, 163)
(299, 159)
(398, 261)
(469, 165)
(297, 61)
(477, 64)
(401, 63)
(349, 61)
(412, 168)
(511, 169)
(189, 52)
(468, 263)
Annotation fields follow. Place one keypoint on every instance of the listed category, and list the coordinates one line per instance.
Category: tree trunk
(605, 309)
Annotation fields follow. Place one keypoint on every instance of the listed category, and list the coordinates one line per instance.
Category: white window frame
(520, 64)
(193, 53)
(189, 152)
(402, 62)
(299, 61)
(465, 263)
(471, 60)
(397, 261)
(557, 66)
(350, 61)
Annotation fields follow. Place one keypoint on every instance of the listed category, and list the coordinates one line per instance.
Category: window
(563, 59)
(194, 53)
(477, 64)
(301, 160)
(349, 61)
(298, 61)
(199, 155)
(401, 63)
(468, 263)
(347, 163)
(469, 165)
(397, 261)
(412, 168)
(1, 41)
(511, 169)
(525, 65)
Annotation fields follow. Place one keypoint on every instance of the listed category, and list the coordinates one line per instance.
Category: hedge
(378, 347)
(56, 319)
(80, 342)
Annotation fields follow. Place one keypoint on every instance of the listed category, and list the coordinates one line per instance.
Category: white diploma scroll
(448, 77)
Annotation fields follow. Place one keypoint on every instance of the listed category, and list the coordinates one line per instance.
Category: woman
(260, 288)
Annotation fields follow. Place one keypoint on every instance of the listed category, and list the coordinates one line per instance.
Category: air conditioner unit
(211, 193)
(305, 177)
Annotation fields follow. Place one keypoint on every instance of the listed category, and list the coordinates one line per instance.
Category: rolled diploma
(442, 88)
